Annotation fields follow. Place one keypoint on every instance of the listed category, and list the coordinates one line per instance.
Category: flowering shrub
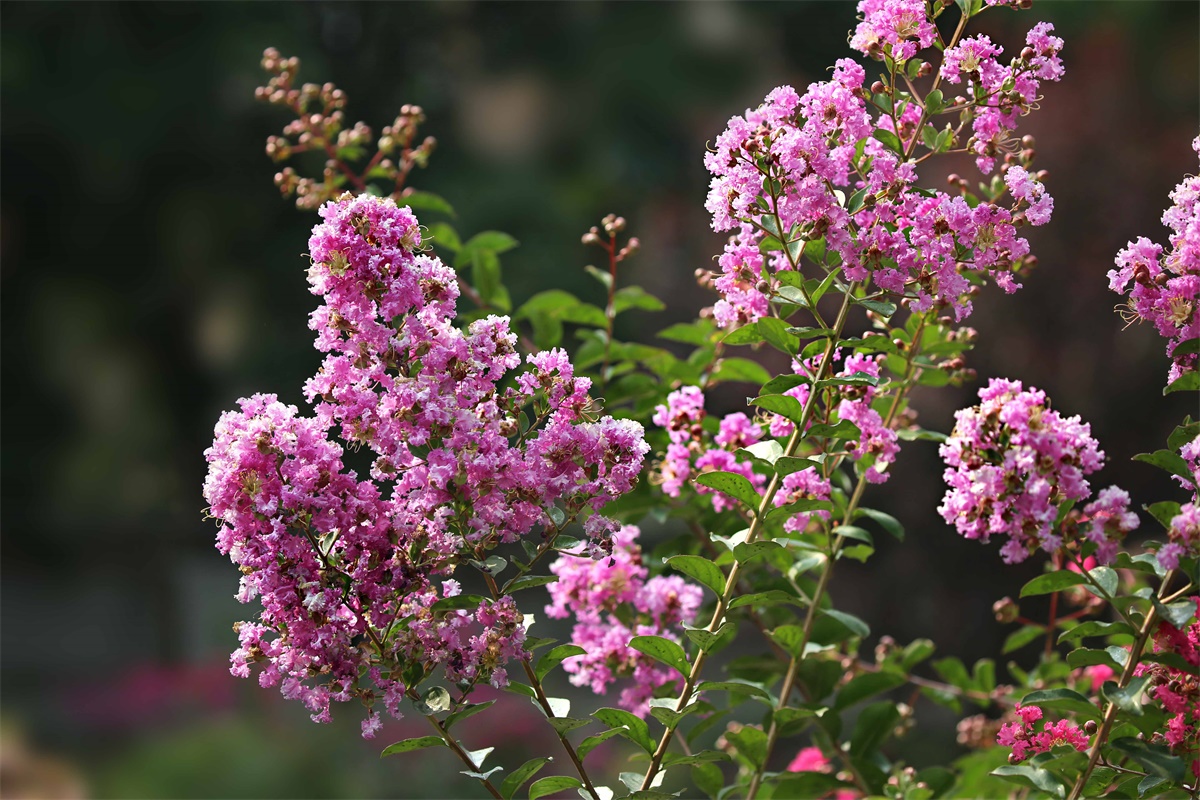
(483, 454)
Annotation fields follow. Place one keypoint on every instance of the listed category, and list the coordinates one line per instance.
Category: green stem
(827, 570)
(1110, 713)
(764, 506)
(544, 703)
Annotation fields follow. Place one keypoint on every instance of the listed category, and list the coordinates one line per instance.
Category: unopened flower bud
(878, 87)
(1006, 610)
(925, 69)
(1089, 727)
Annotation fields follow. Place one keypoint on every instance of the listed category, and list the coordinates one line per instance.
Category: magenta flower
(347, 570)
(1011, 461)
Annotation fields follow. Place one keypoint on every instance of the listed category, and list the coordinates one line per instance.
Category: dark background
(152, 275)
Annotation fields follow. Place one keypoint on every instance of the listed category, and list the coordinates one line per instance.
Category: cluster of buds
(320, 127)
(611, 226)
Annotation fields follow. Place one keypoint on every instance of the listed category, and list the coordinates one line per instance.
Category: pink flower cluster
(612, 602)
(347, 569)
(1011, 461)
(693, 451)
(1025, 741)
(896, 28)
(778, 168)
(1183, 536)
(1002, 94)
(1178, 689)
(1164, 287)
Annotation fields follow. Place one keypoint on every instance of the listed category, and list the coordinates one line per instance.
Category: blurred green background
(152, 275)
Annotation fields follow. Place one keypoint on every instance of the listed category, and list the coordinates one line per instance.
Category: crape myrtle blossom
(787, 167)
(1011, 461)
(1025, 741)
(811, 759)
(1163, 285)
(1178, 689)
(1002, 94)
(350, 571)
(693, 451)
(1183, 537)
(612, 602)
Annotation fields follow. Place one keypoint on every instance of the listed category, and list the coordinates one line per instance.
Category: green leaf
(1062, 700)
(867, 685)
(705, 639)
(702, 757)
(1095, 628)
(853, 532)
(456, 603)
(556, 656)
(1166, 460)
(663, 650)
(1107, 578)
(782, 404)
(889, 139)
(1052, 582)
(492, 241)
(1032, 777)
(772, 597)
(552, 785)
(701, 569)
(708, 778)
(521, 774)
(1178, 614)
(934, 102)
(734, 687)
(1164, 511)
(1187, 382)
(635, 297)
(732, 484)
(698, 333)
(741, 369)
(1155, 758)
(441, 235)
(408, 745)
(789, 637)
(1086, 657)
(427, 201)
(592, 742)
(885, 521)
(775, 332)
(564, 725)
(915, 652)
(768, 452)
(748, 551)
(873, 726)
(1021, 637)
(751, 743)
(747, 334)
(466, 711)
(1184, 432)
(881, 307)
(954, 672)
(631, 727)
(788, 464)
(1128, 699)
(528, 582)
(855, 625)
(485, 275)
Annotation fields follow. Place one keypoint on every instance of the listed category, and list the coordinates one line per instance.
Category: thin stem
(1110, 713)
(544, 702)
(454, 745)
(764, 506)
(827, 570)
(610, 312)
